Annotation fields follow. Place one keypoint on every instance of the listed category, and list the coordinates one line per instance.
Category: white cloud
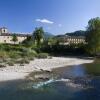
(44, 21)
(60, 25)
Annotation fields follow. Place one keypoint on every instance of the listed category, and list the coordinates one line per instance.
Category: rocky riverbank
(21, 72)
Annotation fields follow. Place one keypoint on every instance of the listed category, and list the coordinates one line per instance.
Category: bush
(10, 63)
(24, 50)
(29, 53)
(31, 58)
(26, 61)
(1, 65)
(34, 53)
(14, 54)
(42, 55)
(23, 61)
(3, 54)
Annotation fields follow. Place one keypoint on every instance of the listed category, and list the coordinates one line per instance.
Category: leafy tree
(28, 42)
(29, 38)
(38, 35)
(93, 36)
(14, 38)
(51, 41)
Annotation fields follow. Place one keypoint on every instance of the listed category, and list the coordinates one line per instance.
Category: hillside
(48, 35)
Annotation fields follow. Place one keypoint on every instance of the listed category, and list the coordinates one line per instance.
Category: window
(5, 41)
(4, 31)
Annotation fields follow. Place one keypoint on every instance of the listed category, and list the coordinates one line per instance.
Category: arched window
(4, 31)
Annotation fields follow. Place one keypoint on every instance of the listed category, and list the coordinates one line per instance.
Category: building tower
(3, 30)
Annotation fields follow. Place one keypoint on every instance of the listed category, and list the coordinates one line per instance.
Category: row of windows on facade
(74, 40)
(10, 37)
(5, 41)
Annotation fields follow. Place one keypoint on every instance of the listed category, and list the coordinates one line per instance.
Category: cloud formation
(44, 21)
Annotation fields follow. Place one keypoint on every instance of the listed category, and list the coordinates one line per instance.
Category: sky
(55, 16)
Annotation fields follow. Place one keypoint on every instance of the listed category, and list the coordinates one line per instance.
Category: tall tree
(38, 35)
(93, 35)
(14, 38)
(28, 41)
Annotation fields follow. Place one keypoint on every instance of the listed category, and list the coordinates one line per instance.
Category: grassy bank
(18, 54)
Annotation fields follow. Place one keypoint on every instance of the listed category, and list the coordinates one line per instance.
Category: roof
(17, 34)
(3, 28)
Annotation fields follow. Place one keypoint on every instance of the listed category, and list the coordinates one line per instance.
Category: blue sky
(56, 16)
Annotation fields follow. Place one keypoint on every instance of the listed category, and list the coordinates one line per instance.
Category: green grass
(18, 54)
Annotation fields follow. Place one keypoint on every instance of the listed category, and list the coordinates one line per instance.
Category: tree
(93, 36)
(14, 38)
(38, 35)
(28, 41)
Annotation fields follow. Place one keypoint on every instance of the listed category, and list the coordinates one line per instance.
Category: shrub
(34, 53)
(10, 63)
(24, 50)
(14, 54)
(23, 61)
(31, 58)
(42, 55)
(26, 61)
(3, 54)
(1, 65)
(30, 53)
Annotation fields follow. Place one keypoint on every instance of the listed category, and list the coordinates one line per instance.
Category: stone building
(67, 40)
(6, 37)
(75, 39)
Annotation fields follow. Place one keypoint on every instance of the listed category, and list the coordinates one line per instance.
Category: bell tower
(3, 30)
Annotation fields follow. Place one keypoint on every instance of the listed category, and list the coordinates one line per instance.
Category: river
(79, 82)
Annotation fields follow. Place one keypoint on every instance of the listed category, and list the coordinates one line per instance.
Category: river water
(79, 82)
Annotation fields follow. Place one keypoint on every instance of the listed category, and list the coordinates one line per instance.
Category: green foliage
(10, 63)
(38, 35)
(31, 58)
(28, 42)
(43, 55)
(11, 54)
(52, 41)
(3, 54)
(23, 61)
(14, 38)
(14, 54)
(28, 52)
(93, 36)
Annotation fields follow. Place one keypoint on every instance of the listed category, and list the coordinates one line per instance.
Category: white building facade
(6, 37)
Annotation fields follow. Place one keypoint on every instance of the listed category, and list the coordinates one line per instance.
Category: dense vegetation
(93, 36)
(40, 46)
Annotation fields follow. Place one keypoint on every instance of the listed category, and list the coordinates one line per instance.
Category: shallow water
(73, 83)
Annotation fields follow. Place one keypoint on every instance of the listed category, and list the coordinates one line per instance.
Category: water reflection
(73, 83)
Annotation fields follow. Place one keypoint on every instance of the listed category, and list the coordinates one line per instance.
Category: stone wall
(8, 39)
